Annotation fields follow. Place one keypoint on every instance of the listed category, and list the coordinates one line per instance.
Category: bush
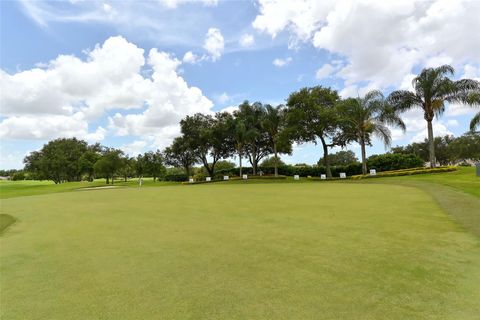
(394, 161)
(302, 171)
(18, 176)
(176, 177)
(398, 173)
(270, 162)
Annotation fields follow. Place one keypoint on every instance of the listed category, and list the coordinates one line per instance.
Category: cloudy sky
(123, 73)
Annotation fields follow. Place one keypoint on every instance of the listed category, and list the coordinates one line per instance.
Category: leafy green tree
(208, 137)
(154, 164)
(88, 159)
(274, 124)
(242, 135)
(432, 89)
(272, 162)
(128, 169)
(367, 116)
(58, 160)
(341, 158)
(140, 166)
(475, 122)
(312, 116)
(109, 164)
(466, 147)
(179, 154)
(257, 145)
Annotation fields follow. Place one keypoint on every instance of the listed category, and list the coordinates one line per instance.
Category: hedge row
(176, 177)
(250, 177)
(399, 173)
(302, 171)
(395, 161)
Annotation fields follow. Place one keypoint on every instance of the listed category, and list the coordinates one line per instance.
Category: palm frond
(475, 122)
(403, 100)
(382, 132)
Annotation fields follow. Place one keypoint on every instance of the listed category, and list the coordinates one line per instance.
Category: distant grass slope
(12, 189)
(464, 180)
(457, 193)
(238, 251)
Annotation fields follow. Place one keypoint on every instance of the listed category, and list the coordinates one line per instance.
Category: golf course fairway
(238, 251)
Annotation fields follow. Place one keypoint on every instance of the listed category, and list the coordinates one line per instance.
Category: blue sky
(124, 73)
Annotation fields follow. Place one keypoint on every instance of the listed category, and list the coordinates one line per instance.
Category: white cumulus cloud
(324, 71)
(214, 43)
(247, 40)
(381, 42)
(281, 62)
(62, 99)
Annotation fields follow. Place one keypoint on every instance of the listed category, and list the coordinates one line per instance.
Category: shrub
(398, 173)
(394, 161)
(302, 171)
(179, 177)
(19, 175)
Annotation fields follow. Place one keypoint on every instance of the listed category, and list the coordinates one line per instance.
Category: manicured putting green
(233, 251)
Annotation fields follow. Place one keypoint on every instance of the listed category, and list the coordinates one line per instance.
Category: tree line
(256, 131)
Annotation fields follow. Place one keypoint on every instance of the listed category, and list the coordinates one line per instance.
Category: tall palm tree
(364, 117)
(432, 88)
(273, 123)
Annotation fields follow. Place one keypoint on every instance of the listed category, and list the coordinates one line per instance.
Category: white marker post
(191, 180)
(208, 179)
(373, 172)
(323, 177)
(226, 178)
(343, 175)
(245, 177)
(296, 177)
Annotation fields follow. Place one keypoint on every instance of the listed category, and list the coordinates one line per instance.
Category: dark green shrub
(394, 161)
(176, 177)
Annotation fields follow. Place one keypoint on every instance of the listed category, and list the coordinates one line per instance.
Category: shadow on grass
(6, 220)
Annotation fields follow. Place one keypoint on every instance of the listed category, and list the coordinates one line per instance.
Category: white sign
(226, 177)
(343, 175)
(373, 172)
(190, 180)
(296, 177)
(323, 176)
(245, 177)
(208, 179)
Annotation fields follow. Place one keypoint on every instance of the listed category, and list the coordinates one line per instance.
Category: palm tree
(433, 88)
(367, 116)
(273, 123)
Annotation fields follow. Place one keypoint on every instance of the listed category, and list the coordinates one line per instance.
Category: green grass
(464, 179)
(6, 220)
(11, 189)
(243, 250)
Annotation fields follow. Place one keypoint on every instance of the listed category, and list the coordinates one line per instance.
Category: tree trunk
(276, 158)
(108, 179)
(113, 178)
(254, 162)
(431, 144)
(240, 162)
(326, 160)
(187, 170)
(364, 156)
